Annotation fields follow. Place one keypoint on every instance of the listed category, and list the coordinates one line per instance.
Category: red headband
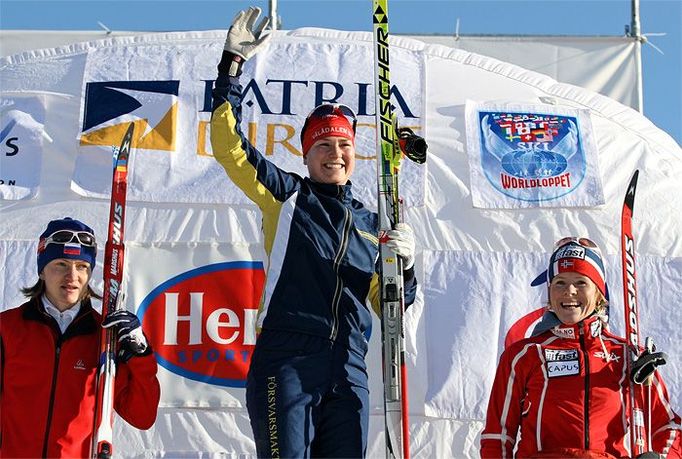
(331, 125)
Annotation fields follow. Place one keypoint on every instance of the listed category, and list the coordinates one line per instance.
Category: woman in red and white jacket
(565, 391)
(49, 353)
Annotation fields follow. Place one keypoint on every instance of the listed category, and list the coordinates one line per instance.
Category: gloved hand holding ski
(128, 329)
(401, 242)
(646, 364)
(244, 40)
(412, 145)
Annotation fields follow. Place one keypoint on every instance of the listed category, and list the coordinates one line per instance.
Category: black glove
(646, 364)
(412, 145)
(649, 455)
(131, 339)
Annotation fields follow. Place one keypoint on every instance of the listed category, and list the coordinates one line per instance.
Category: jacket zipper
(55, 371)
(52, 394)
(343, 247)
(586, 414)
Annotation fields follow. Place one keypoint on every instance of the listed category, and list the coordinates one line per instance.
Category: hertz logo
(202, 323)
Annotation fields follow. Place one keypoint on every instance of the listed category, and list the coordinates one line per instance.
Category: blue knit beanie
(72, 249)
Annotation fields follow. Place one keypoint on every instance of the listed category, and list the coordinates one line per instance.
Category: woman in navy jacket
(307, 390)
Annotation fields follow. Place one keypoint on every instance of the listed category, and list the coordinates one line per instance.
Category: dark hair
(37, 290)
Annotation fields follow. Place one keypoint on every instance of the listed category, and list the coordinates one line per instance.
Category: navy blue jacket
(321, 243)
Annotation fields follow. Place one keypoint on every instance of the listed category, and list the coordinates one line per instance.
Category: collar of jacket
(342, 192)
(591, 327)
(84, 323)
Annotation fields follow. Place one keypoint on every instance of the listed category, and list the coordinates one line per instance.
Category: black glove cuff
(127, 351)
(124, 354)
(147, 351)
(412, 145)
(230, 64)
(408, 274)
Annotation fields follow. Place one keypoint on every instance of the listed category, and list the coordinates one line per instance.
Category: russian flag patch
(72, 249)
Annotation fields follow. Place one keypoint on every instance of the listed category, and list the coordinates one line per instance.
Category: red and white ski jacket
(568, 388)
(47, 384)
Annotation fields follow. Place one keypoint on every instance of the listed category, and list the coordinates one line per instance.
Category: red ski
(631, 314)
(112, 297)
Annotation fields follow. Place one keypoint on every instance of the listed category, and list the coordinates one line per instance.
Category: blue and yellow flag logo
(110, 107)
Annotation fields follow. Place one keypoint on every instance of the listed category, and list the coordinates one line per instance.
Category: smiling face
(573, 297)
(66, 281)
(331, 160)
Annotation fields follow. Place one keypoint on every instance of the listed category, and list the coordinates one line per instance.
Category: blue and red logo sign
(531, 156)
(202, 323)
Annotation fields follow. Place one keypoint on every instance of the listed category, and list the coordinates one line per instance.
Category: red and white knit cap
(577, 258)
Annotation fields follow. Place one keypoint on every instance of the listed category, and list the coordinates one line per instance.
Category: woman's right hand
(245, 40)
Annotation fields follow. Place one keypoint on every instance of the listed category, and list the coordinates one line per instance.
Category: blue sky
(662, 72)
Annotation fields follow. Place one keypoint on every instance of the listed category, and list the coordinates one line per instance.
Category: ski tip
(380, 13)
(632, 187)
(128, 137)
(126, 143)
(633, 182)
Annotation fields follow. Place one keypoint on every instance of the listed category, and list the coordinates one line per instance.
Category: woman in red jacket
(49, 349)
(565, 391)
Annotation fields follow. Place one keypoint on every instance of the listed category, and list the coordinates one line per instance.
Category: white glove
(242, 39)
(401, 242)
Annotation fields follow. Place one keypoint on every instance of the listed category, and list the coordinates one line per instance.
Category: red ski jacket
(47, 384)
(568, 388)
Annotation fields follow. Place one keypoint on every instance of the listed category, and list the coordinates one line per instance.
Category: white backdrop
(474, 265)
(604, 64)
